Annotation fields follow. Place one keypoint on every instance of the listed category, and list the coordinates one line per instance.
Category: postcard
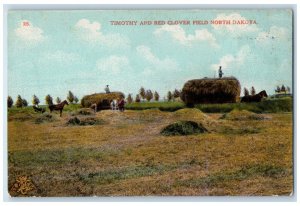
(150, 102)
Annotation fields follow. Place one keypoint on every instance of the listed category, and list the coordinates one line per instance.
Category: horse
(121, 105)
(38, 109)
(255, 98)
(59, 106)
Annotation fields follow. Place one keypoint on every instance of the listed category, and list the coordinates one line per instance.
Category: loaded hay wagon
(102, 100)
(211, 91)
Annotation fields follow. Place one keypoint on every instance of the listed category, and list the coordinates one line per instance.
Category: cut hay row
(211, 90)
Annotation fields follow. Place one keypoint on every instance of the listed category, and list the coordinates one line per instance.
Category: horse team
(255, 98)
(120, 104)
(113, 105)
(52, 107)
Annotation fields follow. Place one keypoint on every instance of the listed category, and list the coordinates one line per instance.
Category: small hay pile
(191, 113)
(242, 115)
(196, 115)
(44, 118)
(83, 111)
(211, 90)
(84, 121)
(183, 128)
(102, 100)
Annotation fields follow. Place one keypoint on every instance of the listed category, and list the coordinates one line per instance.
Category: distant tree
(129, 98)
(10, 102)
(24, 103)
(169, 96)
(149, 95)
(283, 89)
(19, 102)
(277, 90)
(156, 96)
(35, 100)
(176, 93)
(49, 100)
(76, 100)
(58, 100)
(70, 97)
(137, 98)
(253, 92)
(246, 92)
(142, 93)
(288, 89)
(106, 89)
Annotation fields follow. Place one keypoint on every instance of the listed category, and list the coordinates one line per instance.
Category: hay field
(124, 154)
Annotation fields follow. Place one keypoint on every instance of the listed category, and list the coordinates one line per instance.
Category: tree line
(21, 102)
(148, 95)
(278, 90)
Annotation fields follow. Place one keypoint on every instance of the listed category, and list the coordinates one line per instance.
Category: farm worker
(113, 105)
(107, 89)
(121, 105)
(220, 72)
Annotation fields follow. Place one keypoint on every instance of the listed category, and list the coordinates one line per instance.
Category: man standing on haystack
(107, 89)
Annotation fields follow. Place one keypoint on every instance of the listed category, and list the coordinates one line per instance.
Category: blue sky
(58, 51)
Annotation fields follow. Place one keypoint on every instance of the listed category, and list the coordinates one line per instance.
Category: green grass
(25, 110)
(163, 106)
(267, 106)
(72, 107)
(56, 156)
(245, 172)
(29, 109)
(130, 172)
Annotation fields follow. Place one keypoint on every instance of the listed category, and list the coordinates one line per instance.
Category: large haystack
(102, 100)
(211, 90)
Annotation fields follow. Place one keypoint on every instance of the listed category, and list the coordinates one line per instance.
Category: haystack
(211, 90)
(102, 100)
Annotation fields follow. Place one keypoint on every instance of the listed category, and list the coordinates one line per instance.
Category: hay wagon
(211, 91)
(102, 100)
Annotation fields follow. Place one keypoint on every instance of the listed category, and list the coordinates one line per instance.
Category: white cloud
(229, 61)
(29, 33)
(91, 32)
(61, 57)
(179, 34)
(155, 63)
(275, 33)
(235, 29)
(113, 64)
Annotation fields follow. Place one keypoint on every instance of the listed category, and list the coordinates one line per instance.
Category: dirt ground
(123, 154)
